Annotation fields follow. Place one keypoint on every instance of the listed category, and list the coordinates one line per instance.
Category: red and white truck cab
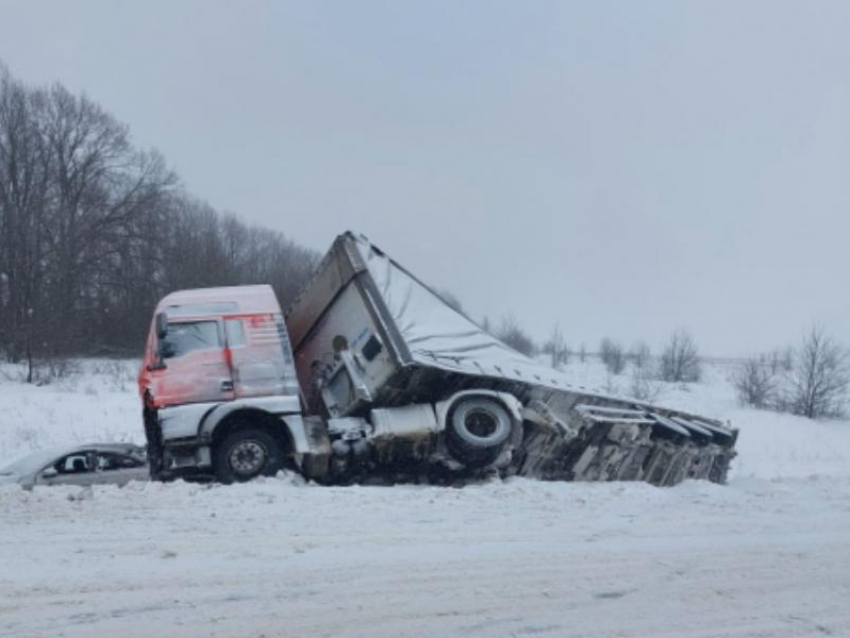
(218, 377)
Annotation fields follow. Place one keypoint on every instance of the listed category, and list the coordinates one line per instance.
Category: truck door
(196, 368)
(260, 356)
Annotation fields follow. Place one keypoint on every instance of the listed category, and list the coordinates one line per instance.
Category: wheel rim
(247, 457)
(481, 423)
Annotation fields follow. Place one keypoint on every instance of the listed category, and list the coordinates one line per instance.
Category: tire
(477, 430)
(246, 454)
(154, 448)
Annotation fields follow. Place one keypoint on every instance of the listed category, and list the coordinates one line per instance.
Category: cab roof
(216, 301)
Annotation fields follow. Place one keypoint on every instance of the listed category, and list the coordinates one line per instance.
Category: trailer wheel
(246, 454)
(476, 430)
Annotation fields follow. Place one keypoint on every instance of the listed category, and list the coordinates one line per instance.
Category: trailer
(371, 375)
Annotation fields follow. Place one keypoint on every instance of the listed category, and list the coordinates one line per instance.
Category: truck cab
(218, 385)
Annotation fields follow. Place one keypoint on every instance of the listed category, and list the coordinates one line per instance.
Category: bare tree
(640, 355)
(582, 353)
(680, 359)
(93, 231)
(557, 349)
(612, 355)
(821, 377)
(786, 359)
(25, 199)
(511, 334)
(780, 360)
(755, 382)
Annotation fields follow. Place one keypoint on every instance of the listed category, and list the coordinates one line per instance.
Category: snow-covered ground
(767, 555)
(94, 401)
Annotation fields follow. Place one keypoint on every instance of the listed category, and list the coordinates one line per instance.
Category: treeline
(811, 379)
(93, 231)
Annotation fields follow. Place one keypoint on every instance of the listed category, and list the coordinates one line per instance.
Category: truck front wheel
(246, 454)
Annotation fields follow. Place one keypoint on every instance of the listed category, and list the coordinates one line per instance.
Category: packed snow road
(767, 556)
(517, 558)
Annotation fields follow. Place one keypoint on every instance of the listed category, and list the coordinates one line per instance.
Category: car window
(107, 461)
(189, 336)
(73, 464)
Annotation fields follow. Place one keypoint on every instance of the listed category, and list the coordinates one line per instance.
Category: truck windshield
(188, 336)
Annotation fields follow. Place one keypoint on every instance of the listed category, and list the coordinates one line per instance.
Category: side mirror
(49, 472)
(161, 325)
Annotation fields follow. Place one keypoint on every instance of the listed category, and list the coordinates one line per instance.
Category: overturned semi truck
(372, 376)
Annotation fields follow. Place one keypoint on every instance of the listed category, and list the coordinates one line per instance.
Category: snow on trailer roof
(437, 335)
(258, 299)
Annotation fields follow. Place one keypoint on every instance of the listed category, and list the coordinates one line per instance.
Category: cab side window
(235, 333)
(188, 336)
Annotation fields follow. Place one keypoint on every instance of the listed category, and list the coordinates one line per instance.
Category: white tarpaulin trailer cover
(423, 330)
(368, 334)
(437, 335)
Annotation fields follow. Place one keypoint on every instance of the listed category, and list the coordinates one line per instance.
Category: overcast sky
(624, 168)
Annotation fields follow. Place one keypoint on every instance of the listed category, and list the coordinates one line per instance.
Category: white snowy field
(95, 401)
(767, 555)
